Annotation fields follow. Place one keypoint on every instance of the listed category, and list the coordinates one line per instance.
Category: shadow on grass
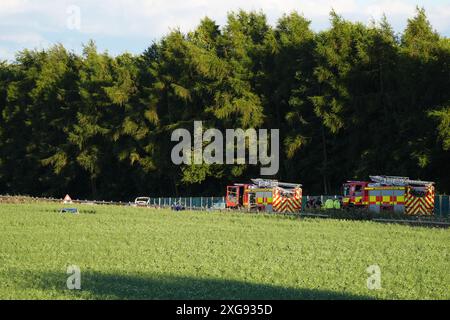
(98, 285)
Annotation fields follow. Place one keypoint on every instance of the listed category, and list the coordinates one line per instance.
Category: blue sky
(132, 25)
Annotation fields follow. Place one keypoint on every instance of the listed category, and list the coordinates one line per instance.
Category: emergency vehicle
(390, 193)
(265, 195)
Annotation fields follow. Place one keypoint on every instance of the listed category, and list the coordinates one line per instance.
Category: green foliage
(444, 125)
(349, 101)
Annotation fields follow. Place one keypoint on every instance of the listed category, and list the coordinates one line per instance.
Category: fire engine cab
(237, 195)
(354, 192)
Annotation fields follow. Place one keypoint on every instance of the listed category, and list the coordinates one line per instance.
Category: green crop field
(140, 253)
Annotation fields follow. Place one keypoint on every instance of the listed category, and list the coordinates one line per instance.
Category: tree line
(353, 100)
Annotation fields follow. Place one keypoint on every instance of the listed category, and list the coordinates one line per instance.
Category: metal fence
(442, 206)
(441, 203)
(190, 202)
(210, 202)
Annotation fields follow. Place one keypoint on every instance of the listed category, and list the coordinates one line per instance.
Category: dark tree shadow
(120, 286)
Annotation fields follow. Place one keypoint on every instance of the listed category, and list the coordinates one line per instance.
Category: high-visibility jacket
(337, 204)
(329, 204)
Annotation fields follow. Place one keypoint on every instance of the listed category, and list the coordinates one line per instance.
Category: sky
(132, 25)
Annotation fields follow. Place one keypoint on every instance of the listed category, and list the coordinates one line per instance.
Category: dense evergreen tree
(349, 101)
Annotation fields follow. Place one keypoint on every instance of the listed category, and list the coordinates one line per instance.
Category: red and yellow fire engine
(390, 193)
(265, 195)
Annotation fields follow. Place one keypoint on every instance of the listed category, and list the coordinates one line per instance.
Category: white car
(142, 201)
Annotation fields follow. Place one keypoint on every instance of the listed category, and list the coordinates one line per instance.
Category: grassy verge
(139, 253)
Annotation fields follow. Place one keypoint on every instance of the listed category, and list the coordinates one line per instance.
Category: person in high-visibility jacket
(337, 204)
(329, 204)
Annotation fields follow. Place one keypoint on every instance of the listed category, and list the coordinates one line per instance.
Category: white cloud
(33, 39)
(392, 9)
(141, 17)
(6, 54)
(440, 17)
(21, 21)
(13, 6)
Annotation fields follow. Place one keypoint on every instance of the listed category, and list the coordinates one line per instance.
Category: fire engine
(265, 195)
(390, 193)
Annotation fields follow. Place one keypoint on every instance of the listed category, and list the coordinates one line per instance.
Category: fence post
(447, 214)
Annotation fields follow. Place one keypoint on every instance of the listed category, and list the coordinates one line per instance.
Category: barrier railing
(189, 202)
(441, 209)
(441, 203)
(442, 206)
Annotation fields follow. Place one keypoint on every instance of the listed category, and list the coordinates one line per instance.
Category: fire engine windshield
(346, 190)
(232, 194)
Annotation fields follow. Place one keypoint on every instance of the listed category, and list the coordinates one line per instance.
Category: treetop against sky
(131, 25)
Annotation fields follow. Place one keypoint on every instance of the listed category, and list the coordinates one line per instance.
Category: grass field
(139, 253)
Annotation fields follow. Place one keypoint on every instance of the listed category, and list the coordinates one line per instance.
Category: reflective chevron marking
(284, 204)
(420, 205)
